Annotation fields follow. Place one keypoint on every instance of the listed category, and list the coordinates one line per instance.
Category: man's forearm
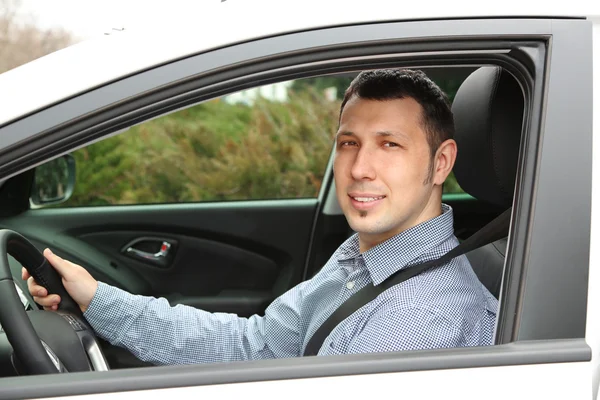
(158, 333)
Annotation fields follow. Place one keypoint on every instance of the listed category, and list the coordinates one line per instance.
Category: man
(394, 149)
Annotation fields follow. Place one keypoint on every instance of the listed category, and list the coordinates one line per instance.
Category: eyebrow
(344, 133)
(398, 135)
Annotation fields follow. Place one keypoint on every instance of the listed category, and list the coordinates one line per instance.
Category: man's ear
(445, 157)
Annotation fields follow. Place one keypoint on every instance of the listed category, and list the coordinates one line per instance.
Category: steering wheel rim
(20, 332)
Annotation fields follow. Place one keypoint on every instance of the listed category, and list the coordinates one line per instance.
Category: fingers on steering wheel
(35, 289)
(41, 295)
(48, 302)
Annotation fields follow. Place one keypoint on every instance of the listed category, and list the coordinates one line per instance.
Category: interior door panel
(233, 257)
(199, 266)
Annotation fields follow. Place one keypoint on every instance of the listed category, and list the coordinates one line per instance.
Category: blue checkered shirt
(443, 307)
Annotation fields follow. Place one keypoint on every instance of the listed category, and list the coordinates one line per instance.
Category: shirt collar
(403, 249)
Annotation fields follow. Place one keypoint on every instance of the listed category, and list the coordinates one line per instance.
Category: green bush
(213, 151)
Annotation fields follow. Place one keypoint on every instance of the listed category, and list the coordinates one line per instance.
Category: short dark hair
(391, 84)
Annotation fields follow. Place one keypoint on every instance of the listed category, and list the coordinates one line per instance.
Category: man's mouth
(367, 199)
(365, 202)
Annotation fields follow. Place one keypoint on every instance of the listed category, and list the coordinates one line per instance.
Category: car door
(539, 339)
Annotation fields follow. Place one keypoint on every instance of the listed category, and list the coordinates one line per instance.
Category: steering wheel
(44, 342)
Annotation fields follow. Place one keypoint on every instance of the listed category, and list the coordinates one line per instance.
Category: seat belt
(494, 230)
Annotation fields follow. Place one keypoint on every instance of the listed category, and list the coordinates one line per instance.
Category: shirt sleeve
(160, 334)
(414, 328)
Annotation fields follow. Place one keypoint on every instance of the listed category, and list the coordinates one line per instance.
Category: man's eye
(391, 144)
(347, 143)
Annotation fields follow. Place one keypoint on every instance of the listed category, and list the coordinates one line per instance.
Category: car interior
(253, 252)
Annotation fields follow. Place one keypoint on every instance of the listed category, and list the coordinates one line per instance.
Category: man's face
(381, 167)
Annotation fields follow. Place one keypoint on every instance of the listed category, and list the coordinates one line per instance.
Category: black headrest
(488, 116)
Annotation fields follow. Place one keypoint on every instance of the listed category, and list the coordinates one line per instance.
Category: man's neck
(368, 241)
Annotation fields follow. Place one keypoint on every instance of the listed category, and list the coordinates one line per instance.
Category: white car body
(108, 58)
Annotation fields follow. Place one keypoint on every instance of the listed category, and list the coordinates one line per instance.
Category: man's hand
(77, 281)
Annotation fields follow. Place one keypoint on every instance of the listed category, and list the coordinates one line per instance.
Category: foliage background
(213, 151)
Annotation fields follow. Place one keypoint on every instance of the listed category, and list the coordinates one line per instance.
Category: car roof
(196, 27)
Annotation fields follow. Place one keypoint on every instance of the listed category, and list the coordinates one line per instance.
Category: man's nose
(363, 167)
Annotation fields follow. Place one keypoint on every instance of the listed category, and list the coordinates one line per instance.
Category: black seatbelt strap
(495, 230)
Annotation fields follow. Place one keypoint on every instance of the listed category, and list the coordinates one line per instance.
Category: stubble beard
(372, 226)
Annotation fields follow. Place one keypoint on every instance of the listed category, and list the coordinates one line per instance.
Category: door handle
(163, 252)
(143, 249)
